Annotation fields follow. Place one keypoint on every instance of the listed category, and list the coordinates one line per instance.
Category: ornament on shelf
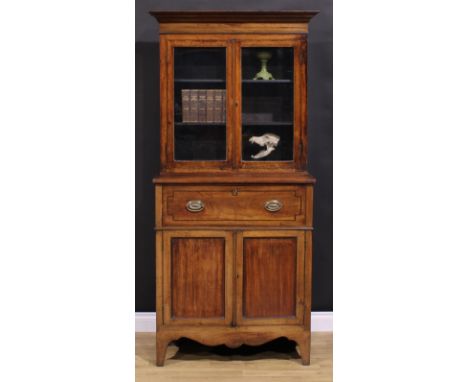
(263, 74)
(268, 140)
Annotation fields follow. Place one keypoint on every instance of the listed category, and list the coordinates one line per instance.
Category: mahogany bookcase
(233, 200)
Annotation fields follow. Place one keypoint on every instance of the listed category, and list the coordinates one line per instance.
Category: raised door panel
(197, 277)
(270, 276)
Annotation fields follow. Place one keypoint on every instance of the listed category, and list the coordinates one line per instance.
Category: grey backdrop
(320, 125)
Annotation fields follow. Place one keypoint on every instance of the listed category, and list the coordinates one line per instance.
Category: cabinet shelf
(267, 123)
(200, 80)
(243, 123)
(286, 81)
(200, 123)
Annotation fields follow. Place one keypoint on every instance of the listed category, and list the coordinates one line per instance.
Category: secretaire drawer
(234, 205)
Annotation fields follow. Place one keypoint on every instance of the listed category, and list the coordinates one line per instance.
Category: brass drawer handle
(273, 205)
(195, 206)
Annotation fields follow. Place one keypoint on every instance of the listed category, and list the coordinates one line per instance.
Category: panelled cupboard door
(270, 277)
(197, 285)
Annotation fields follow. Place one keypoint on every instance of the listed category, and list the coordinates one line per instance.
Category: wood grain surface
(269, 277)
(197, 277)
(213, 16)
(234, 205)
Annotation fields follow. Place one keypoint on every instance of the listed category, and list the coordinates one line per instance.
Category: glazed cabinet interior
(233, 200)
(226, 95)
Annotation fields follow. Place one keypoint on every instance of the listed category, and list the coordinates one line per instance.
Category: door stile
(237, 102)
(300, 104)
(235, 235)
(239, 255)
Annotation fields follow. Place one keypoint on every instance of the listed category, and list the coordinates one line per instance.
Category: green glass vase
(263, 74)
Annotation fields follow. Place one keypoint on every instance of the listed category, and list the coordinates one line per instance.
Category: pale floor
(277, 361)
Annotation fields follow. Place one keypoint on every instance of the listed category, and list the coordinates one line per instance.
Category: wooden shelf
(267, 123)
(267, 82)
(200, 80)
(200, 123)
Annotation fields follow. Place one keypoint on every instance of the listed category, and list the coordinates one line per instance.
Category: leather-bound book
(193, 105)
(210, 105)
(185, 105)
(218, 100)
(223, 106)
(202, 105)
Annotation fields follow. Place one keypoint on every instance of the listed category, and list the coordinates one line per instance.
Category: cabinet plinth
(233, 202)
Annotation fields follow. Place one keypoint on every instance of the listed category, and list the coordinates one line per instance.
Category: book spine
(217, 105)
(223, 105)
(193, 105)
(202, 105)
(185, 105)
(210, 105)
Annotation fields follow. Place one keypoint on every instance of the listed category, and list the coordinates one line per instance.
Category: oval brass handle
(273, 205)
(195, 206)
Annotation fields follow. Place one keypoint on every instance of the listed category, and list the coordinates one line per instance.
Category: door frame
(228, 282)
(298, 319)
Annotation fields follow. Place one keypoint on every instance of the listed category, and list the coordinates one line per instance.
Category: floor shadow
(280, 348)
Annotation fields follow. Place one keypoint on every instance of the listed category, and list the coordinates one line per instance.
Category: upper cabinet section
(233, 90)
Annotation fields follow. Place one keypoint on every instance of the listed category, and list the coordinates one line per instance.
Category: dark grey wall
(319, 135)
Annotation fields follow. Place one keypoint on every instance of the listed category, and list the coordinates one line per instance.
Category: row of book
(203, 105)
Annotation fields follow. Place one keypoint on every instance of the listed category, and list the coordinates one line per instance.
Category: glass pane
(199, 104)
(267, 104)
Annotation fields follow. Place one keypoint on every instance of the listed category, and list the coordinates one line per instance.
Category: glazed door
(270, 277)
(272, 93)
(194, 113)
(197, 285)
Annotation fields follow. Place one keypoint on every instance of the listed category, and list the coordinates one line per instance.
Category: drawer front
(234, 205)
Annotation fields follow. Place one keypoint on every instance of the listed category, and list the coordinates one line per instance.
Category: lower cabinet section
(233, 287)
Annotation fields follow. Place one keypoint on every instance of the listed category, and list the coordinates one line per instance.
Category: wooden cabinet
(234, 201)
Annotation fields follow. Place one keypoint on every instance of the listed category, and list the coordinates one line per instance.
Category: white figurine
(268, 140)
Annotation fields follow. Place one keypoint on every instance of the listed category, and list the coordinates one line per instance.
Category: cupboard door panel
(270, 277)
(197, 277)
